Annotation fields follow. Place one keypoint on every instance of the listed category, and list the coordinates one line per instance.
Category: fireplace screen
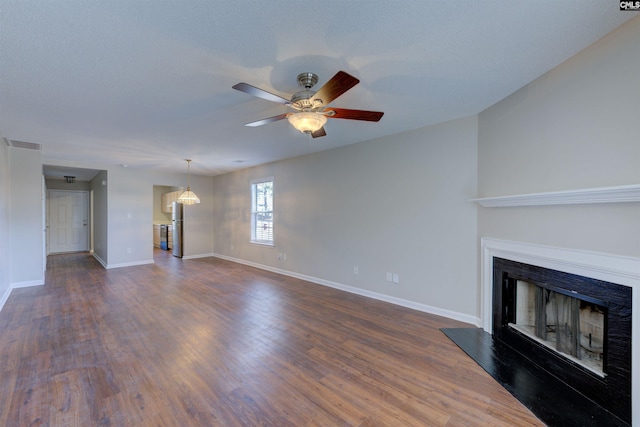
(570, 325)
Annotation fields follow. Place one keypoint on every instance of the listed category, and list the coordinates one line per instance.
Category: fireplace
(575, 327)
(572, 314)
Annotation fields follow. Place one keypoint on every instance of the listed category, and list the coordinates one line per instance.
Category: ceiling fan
(311, 109)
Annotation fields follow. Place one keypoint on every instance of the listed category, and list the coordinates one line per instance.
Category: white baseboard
(123, 264)
(4, 298)
(30, 283)
(100, 260)
(363, 292)
(198, 256)
(128, 264)
(351, 289)
(17, 285)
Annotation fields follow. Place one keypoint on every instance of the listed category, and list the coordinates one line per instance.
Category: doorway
(68, 221)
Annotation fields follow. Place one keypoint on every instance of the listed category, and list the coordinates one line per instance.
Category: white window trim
(252, 240)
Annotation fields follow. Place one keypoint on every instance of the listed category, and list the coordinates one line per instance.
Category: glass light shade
(307, 122)
(188, 197)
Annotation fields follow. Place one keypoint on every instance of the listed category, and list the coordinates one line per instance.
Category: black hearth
(578, 329)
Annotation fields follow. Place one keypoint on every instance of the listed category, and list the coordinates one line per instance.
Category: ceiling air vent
(22, 144)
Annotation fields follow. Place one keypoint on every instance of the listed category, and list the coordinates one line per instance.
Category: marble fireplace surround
(624, 271)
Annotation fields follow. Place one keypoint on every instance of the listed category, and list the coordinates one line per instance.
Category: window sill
(261, 243)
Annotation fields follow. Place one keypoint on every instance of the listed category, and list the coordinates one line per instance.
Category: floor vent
(22, 144)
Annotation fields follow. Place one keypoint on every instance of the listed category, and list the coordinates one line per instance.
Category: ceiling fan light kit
(307, 122)
(311, 111)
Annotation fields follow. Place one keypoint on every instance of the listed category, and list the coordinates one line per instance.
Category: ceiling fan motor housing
(307, 80)
(302, 100)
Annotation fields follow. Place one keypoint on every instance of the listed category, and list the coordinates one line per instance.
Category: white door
(68, 221)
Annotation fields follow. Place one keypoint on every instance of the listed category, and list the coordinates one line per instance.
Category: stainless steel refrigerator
(177, 219)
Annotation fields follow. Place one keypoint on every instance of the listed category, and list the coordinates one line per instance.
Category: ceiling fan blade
(339, 84)
(252, 90)
(267, 120)
(345, 113)
(320, 132)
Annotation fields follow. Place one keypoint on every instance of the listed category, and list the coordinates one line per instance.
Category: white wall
(130, 215)
(198, 219)
(25, 217)
(575, 127)
(396, 204)
(5, 241)
(100, 224)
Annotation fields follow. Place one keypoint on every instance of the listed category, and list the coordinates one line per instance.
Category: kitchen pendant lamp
(188, 197)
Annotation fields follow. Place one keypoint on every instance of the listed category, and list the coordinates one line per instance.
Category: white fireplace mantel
(619, 194)
(610, 268)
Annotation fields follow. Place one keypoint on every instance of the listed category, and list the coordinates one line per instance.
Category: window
(262, 211)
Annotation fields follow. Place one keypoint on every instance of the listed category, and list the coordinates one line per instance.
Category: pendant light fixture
(188, 197)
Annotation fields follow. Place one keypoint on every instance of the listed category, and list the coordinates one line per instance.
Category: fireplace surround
(610, 281)
(609, 386)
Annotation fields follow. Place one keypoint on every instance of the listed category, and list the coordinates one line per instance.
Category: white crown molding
(618, 194)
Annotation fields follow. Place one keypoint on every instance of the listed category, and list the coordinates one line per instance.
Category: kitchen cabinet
(167, 200)
(164, 205)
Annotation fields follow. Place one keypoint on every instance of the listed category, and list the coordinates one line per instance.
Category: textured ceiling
(147, 83)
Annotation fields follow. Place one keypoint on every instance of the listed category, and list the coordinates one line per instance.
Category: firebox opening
(570, 324)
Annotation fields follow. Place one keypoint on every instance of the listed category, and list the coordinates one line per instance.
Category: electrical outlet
(355, 271)
(128, 250)
(396, 278)
(389, 276)
(284, 257)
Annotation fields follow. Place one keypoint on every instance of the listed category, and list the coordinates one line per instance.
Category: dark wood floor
(208, 342)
